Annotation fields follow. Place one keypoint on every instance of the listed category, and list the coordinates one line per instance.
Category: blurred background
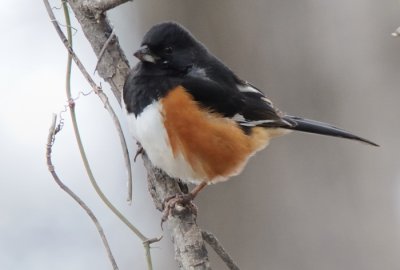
(306, 202)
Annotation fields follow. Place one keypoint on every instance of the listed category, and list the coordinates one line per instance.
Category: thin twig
(103, 97)
(107, 105)
(104, 49)
(219, 249)
(50, 142)
(146, 245)
(80, 144)
(94, 86)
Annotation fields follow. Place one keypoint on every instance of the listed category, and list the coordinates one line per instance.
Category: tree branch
(114, 66)
(101, 6)
(219, 249)
(190, 250)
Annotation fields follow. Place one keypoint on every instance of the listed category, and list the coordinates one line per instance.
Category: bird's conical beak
(144, 54)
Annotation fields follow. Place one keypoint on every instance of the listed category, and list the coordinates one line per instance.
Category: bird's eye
(168, 50)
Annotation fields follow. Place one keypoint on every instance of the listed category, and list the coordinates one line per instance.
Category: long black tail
(311, 126)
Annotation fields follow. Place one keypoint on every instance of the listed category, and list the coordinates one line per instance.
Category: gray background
(306, 202)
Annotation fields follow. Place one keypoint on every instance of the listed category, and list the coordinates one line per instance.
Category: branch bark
(219, 249)
(190, 250)
(101, 6)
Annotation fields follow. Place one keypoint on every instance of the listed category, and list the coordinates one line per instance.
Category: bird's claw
(177, 204)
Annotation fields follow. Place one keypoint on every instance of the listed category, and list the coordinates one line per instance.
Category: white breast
(148, 129)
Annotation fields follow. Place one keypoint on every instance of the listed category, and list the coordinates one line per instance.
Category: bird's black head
(170, 46)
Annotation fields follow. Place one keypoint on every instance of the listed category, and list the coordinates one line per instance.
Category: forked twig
(50, 142)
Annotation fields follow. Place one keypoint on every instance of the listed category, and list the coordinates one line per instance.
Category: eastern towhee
(195, 118)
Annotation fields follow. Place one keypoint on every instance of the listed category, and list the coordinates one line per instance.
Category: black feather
(312, 126)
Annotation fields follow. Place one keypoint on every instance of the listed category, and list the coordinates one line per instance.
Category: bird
(195, 118)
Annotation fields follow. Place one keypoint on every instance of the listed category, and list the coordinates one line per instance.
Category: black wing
(237, 100)
(249, 107)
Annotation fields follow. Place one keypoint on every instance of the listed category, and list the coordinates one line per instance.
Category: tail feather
(311, 126)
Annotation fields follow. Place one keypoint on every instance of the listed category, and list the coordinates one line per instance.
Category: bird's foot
(177, 204)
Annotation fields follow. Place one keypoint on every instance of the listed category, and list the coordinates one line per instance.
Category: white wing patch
(249, 123)
(256, 123)
(267, 101)
(247, 88)
(238, 118)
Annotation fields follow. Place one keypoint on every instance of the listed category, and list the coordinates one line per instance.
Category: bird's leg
(183, 200)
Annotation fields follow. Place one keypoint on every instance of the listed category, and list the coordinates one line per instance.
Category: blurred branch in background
(396, 33)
